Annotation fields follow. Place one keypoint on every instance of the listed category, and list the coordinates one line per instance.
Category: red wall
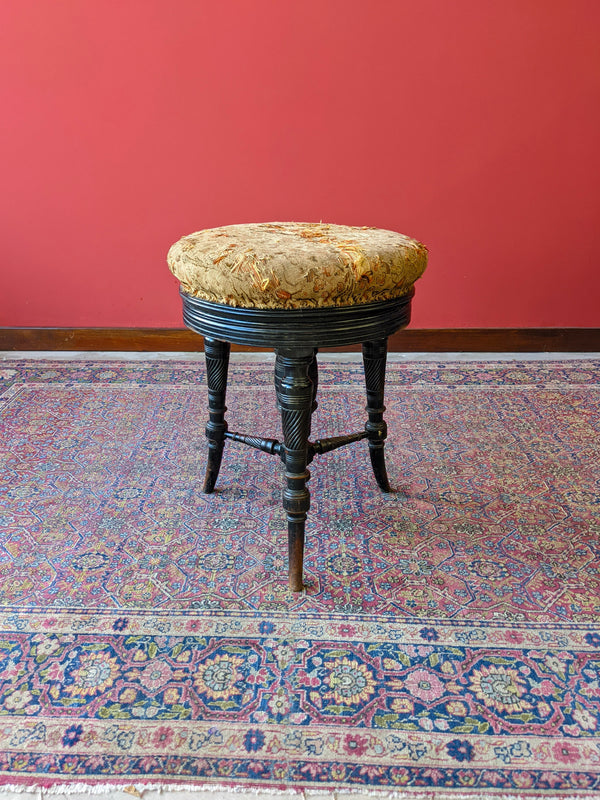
(473, 125)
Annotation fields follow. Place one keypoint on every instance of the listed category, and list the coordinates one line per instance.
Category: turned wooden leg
(216, 354)
(374, 359)
(278, 377)
(313, 374)
(295, 397)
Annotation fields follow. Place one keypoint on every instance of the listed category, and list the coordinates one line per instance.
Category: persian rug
(448, 642)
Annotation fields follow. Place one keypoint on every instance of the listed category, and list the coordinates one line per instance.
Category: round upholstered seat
(294, 265)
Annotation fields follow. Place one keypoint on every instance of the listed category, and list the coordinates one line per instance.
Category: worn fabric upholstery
(296, 264)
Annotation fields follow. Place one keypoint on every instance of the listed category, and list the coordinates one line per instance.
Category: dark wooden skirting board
(460, 340)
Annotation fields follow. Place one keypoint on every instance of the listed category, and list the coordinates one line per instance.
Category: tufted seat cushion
(296, 264)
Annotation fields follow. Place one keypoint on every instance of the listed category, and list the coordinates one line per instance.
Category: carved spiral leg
(313, 374)
(278, 377)
(374, 359)
(216, 354)
(295, 399)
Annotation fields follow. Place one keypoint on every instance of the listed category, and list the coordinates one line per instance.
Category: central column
(295, 399)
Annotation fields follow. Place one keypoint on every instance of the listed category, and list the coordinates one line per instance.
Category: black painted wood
(295, 400)
(304, 327)
(374, 360)
(333, 443)
(270, 446)
(216, 354)
(296, 335)
(313, 374)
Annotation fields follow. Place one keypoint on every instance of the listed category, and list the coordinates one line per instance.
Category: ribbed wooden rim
(311, 327)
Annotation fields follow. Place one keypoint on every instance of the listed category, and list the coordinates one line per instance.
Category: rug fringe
(169, 791)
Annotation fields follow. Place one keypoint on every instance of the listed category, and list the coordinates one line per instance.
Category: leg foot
(296, 553)
(216, 354)
(374, 359)
(295, 399)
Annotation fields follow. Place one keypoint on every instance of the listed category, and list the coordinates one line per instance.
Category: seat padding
(296, 265)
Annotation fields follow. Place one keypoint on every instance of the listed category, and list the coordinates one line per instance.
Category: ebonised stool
(296, 287)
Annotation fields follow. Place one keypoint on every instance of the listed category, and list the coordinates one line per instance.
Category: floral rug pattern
(449, 636)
